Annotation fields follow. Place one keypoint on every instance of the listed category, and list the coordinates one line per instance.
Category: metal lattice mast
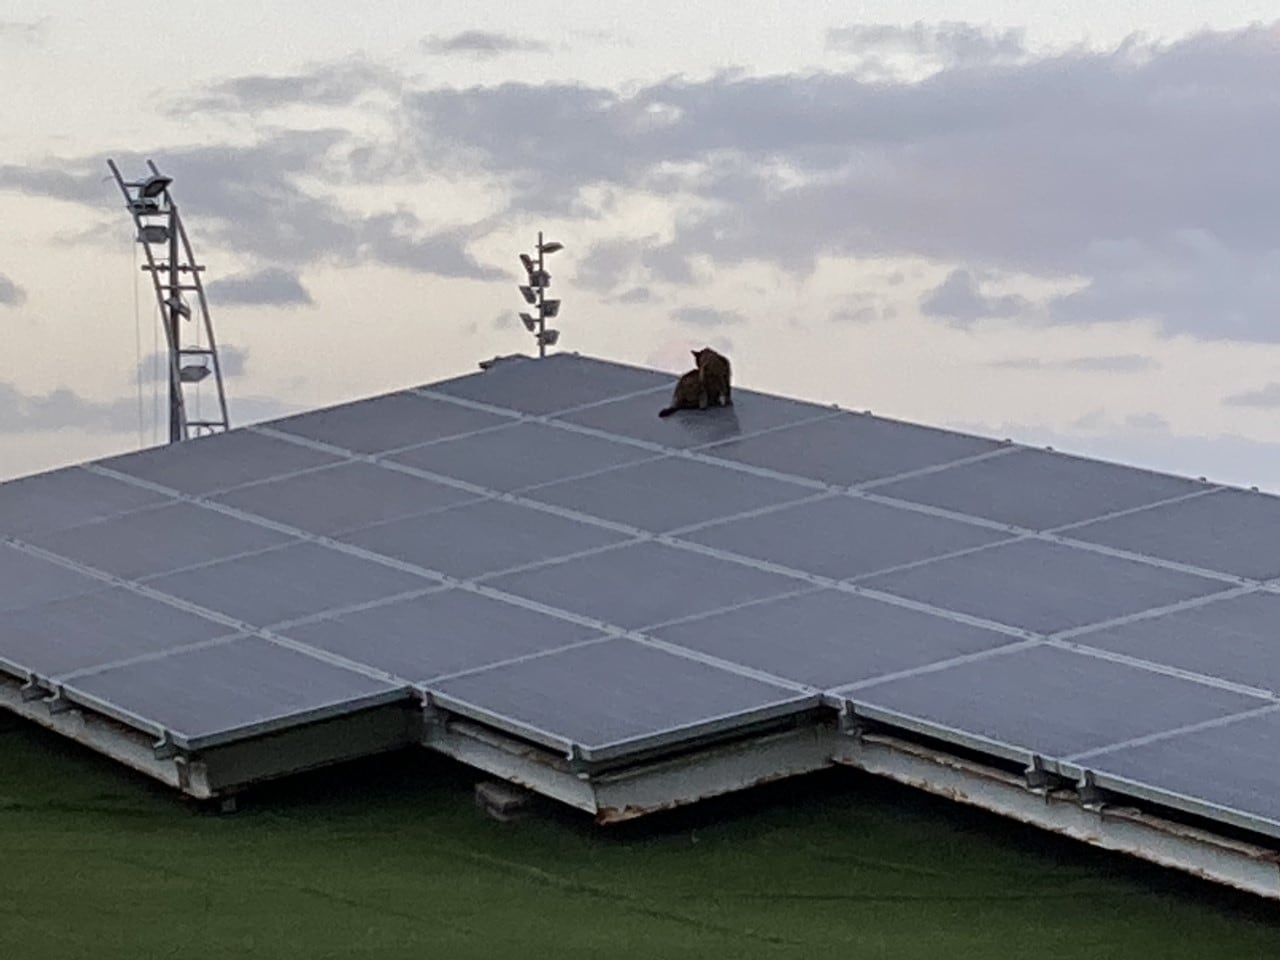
(175, 276)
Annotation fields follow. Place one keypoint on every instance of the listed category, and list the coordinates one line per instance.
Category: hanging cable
(137, 340)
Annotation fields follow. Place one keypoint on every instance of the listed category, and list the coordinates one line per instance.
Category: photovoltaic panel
(481, 538)
(637, 418)
(1234, 638)
(440, 633)
(1037, 489)
(843, 536)
(1231, 766)
(828, 638)
(93, 629)
(210, 694)
(343, 497)
(298, 580)
(387, 423)
(523, 454)
(558, 382)
(613, 693)
(1042, 586)
(53, 501)
(1053, 702)
(26, 581)
(159, 540)
(852, 448)
(218, 461)
(643, 583)
(661, 495)
(1233, 531)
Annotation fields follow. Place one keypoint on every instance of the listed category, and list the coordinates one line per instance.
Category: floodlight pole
(149, 201)
(535, 295)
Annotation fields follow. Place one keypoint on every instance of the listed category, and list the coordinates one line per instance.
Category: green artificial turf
(390, 858)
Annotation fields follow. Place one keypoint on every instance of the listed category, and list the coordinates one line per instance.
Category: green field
(389, 858)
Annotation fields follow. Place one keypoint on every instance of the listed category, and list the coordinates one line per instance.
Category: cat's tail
(668, 411)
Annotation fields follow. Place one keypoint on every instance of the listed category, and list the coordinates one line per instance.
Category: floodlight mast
(174, 274)
(534, 293)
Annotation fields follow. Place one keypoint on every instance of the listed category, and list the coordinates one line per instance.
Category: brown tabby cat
(689, 394)
(716, 374)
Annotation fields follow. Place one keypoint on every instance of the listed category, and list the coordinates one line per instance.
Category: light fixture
(550, 308)
(154, 233)
(175, 304)
(548, 338)
(193, 373)
(527, 260)
(551, 246)
(154, 185)
(540, 279)
(528, 294)
(530, 323)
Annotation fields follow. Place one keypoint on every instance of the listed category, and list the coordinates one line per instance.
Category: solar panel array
(539, 551)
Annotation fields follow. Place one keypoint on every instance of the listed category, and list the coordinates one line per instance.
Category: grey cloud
(61, 409)
(11, 295)
(482, 44)
(1047, 167)
(634, 295)
(24, 31)
(334, 84)
(950, 43)
(706, 317)
(248, 199)
(1267, 397)
(1111, 363)
(959, 300)
(271, 286)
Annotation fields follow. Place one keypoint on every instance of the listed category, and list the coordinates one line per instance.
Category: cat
(716, 374)
(689, 394)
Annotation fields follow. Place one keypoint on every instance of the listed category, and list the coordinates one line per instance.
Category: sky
(1059, 225)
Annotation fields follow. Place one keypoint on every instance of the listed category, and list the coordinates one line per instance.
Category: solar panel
(847, 449)
(538, 549)
(661, 495)
(642, 583)
(343, 497)
(218, 461)
(53, 501)
(520, 455)
(158, 540)
(205, 695)
(1038, 490)
(1233, 531)
(1054, 702)
(439, 633)
(91, 630)
(615, 693)
(832, 638)
(1041, 586)
(841, 536)
(481, 538)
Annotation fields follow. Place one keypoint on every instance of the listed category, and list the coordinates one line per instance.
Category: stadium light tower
(534, 293)
(175, 276)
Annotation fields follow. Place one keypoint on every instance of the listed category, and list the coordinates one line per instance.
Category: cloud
(336, 84)
(248, 199)
(959, 300)
(1112, 363)
(11, 295)
(271, 286)
(482, 44)
(24, 31)
(948, 43)
(1267, 397)
(707, 317)
(634, 295)
(63, 408)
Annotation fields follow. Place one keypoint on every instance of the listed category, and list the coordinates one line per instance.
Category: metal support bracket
(32, 690)
(849, 723)
(58, 703)
(577, 764)
(165, 748)
(1091, 795)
